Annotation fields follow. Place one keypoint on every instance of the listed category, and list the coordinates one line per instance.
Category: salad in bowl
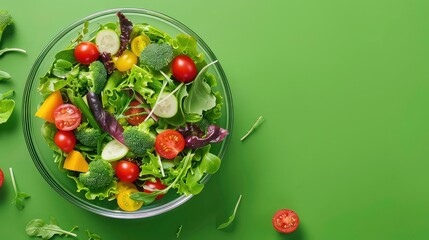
(131, 113)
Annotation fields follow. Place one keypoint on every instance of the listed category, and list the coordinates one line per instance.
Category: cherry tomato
(126, 61)
(1, 177)
(67, 117)
(139, 43)
(86, 52)
(137, 119)
(127, 171)
(285, 221)
(150, 186)
(169, 143)
(183, 68)
(123, 186)
(65, 140)
(126, 203)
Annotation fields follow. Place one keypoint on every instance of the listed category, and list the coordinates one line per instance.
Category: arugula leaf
(4, 75)
(4, 50)
(258, 122)
(200, 96)
(38, 228)
(93, 236)
(19, 200)
(232, 217)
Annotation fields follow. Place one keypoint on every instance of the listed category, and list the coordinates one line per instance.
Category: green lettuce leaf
(150, 166)
(200, 96)
(108, 192)
(186, 44)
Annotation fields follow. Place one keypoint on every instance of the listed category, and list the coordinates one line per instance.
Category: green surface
(343, 86)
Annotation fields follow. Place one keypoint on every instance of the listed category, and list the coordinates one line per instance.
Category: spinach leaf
(210, 163)
(38, 228)
(232, 217)
(66, 55)
(6, 109)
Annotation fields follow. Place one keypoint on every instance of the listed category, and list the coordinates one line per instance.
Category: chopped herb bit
(255, 125)
(232, 217)
(179, 230)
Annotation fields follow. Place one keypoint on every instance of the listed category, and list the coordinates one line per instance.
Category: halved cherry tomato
(126, 203)
(169, 143)
(285, 221)
(67, 117)
(86, 52)
(136, 111)
(127, 171)
(150, 186)
(126, 61)
(1, 177)
(139, 43)
(65, 140)
(183, 68)
(123, 186)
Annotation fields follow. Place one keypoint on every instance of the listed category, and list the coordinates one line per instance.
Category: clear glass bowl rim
(26, 116)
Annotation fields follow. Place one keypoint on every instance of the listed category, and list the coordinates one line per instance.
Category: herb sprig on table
(6, 105)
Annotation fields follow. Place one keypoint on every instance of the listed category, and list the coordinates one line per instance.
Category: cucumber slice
(167, 106)
(113, 151)
(108, 41)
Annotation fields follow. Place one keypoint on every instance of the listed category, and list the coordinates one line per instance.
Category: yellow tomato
(123, 186)
(126, 203)
(139, 43)
(126, 61)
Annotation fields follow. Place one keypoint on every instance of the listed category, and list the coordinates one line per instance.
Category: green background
(343, 86)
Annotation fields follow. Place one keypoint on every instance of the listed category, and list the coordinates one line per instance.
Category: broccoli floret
(139, 138)
(99, 176)
(5, 20)
(157, 55)
(96, 77)
(87, 136)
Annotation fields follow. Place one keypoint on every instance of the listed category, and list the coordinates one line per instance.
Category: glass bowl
(42, 155)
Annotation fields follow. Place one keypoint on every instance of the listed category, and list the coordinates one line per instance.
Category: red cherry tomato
(285, 221)
(136, 119)
(169, 143)
(1, 177)
(150, 186)
(65, 140)
(183, 68)
(127, 171)
(67, 117)
(86, 52)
